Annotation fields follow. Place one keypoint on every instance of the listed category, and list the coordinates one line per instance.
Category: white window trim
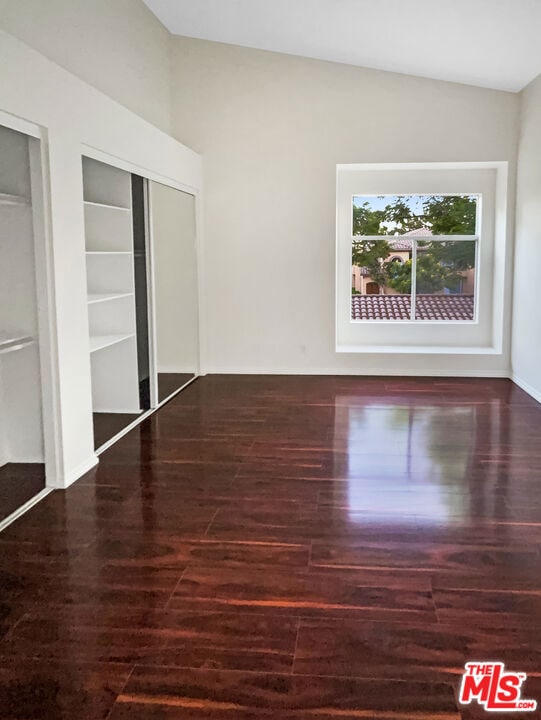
(500, 289)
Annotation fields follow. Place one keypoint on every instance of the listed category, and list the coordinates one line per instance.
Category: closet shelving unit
(111, 288)
(21, 403)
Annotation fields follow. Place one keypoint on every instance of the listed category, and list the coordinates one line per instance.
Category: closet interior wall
(22, 451)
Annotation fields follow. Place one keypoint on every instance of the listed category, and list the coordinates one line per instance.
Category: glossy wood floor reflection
(19, 483)
(168, 383)
(285, 548)
(107, 425)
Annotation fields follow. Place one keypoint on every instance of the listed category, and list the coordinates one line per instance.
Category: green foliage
(371, 222)
(454, 255)
(431, 276)
(372, 255)
(369, 252)
(366, 221)
(399, 276)
(442, 215)
(438, 264)
(450, 214)
(399, 213)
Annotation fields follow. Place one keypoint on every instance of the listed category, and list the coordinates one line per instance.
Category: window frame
(491, 283)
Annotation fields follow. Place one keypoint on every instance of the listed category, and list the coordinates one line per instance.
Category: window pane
(415, 215)
(445, 280)
(381, 279)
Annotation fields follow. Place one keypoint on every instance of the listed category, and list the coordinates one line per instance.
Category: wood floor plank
(163, 693)
(231, 641)
(174, 550)
(426, 557)
(355, 648)
(291, 593)
(60, 690)
(494, 608)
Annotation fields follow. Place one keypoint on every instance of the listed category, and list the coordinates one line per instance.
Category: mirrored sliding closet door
(172, 220)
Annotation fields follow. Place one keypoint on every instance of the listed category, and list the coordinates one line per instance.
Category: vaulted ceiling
(491, 43)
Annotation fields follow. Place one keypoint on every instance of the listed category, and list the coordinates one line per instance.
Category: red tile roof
(419, 232)
(397, 307)
(401, 244)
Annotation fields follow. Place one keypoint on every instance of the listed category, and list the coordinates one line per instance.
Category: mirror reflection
(173, 229)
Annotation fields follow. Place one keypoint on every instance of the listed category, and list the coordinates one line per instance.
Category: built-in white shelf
(98, 342)
(105, 297)
(10, 342)
(108, 206)
(110, 286)
(108, 252)
(7, 199)
(109, 272)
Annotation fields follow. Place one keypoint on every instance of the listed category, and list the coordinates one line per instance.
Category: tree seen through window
(414, 248)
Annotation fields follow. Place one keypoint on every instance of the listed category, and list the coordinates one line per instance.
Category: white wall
(118, 46)
(526, 359)
(272, 128)
(175, 276)
(75, 118)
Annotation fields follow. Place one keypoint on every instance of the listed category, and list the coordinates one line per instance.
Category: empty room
(270, 376)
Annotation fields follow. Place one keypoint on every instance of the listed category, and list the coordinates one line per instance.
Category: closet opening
(142, 295)
(25, 459)
(114, 243)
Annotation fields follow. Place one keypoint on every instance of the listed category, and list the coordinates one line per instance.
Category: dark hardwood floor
(286, 548)
(169, 382)
(107, 425)
(19, 483)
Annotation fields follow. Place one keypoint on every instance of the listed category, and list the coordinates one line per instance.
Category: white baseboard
(77, 472)
(28, 460)
(536, 394)
(176, 370)
(122, 411)
(422, 372)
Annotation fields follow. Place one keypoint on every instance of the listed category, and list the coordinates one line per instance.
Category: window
(426, 246)
(420, 252)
